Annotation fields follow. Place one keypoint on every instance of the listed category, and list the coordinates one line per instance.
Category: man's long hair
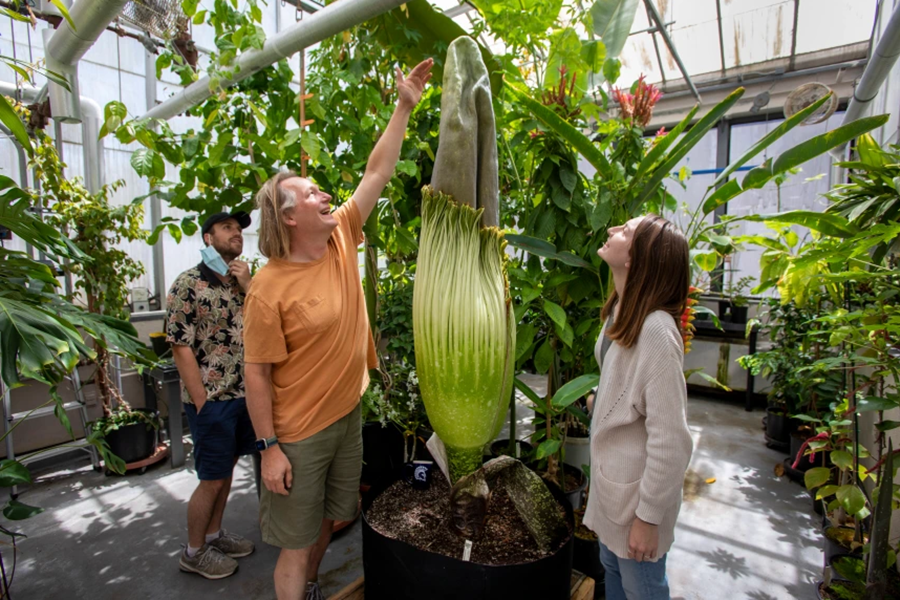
(272, 200)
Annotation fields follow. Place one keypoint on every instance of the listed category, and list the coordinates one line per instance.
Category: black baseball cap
(240, 216)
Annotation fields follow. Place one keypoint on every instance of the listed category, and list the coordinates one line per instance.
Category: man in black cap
(204, 324)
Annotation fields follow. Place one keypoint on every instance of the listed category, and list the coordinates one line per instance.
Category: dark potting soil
(421, 518)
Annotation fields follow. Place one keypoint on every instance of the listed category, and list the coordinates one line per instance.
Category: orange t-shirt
(309, 321)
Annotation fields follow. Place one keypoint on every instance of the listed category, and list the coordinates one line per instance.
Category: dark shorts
(221, 431)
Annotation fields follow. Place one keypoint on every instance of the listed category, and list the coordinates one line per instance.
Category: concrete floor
(748, 535)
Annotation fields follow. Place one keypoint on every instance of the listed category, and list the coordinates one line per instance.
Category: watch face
(261, 445)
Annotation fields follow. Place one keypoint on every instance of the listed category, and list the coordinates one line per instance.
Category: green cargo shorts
(326, 468)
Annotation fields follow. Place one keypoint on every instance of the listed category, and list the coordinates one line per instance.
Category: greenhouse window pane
(834, 23)
(802, 191)
(756, 30)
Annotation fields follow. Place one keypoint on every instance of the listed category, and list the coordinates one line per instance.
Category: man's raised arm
(383, 160)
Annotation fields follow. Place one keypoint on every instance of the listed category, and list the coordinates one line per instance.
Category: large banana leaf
(799, 154)
(768, 139)
(826, 223)
(612, 20)
(684, 145)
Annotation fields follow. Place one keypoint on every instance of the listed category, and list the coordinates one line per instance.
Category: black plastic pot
(395, 570)
(778, 430)
(135, 442)
(382, 455)
(834, 549)
(817, 504)
(575, 496)
(501, 448)
(586, 559)
(730, 313)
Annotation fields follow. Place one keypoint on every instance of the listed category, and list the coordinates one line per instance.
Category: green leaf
(310, 144)
(12, 472)
(189, 7)
(575, 389)
(543, 358)
(15, 15)
(612, 68)
(65, 13)
(548, 448)
(555, 312)
(148, 163)
(825, 491)
(602, 212)
(842, 459)
(816, 477)
(828, 223)
(527, 391)
(821, 144)
(568, 178)
(547, 250)
(16, 511)
(612, 20)
(851, 499)
(707, 260)
(873, 403)
(722, 196)
(12, 121)
(887, 425)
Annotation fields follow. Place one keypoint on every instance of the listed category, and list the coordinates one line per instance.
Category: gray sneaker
(208, 562)
(233, 545)
(313, 592)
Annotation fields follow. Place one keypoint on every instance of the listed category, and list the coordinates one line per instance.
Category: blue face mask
(214, 261)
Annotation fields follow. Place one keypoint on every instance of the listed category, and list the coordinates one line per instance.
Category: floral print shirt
(208, 315)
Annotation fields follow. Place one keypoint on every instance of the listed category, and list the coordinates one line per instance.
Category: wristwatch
(265, 443)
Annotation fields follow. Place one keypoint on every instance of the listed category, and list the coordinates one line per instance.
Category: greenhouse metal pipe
(873, 77)
(334, 18)
(654, 15)
(90, 132)
(90, 18)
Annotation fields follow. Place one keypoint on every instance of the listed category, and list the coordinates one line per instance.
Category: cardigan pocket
(618, 501)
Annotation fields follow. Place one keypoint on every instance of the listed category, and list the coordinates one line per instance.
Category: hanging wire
(119, 59)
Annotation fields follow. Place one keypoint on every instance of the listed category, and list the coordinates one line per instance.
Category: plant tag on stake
(467, 551)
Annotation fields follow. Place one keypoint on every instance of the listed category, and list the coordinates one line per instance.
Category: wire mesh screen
(161, 18)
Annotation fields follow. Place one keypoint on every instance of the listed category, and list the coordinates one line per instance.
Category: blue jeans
(628, 579)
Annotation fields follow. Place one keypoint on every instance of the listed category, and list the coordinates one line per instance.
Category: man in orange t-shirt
(307, 350)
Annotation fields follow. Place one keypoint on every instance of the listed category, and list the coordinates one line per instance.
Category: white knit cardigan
(640, 442)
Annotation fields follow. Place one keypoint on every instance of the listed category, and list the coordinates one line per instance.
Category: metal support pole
(721, 37)
(159, 259)
(654, 15)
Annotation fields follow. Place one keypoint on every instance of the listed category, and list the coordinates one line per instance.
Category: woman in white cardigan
(640, 442)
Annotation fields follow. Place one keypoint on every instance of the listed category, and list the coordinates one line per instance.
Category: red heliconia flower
(638, 106)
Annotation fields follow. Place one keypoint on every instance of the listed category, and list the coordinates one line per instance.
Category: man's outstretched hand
(410, 89)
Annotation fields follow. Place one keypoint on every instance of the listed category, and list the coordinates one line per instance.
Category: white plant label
(467, 551)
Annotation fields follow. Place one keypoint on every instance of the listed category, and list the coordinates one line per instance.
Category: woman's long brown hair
(659, 279)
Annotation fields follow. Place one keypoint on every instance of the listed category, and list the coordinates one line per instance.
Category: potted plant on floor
(784, 326)
(465, 360)
(98, 228)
